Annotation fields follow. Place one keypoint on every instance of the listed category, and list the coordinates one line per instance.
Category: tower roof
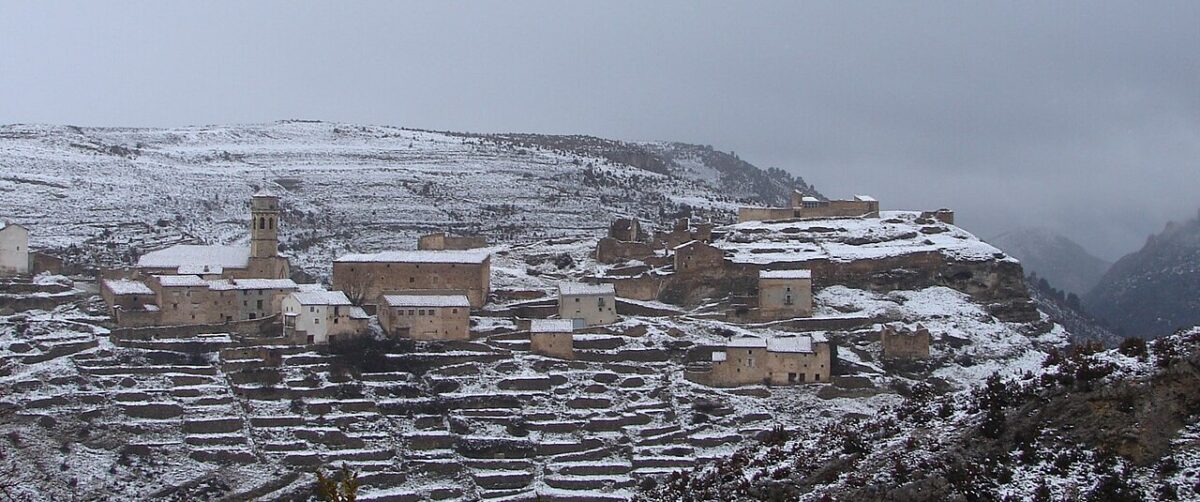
(265, 191)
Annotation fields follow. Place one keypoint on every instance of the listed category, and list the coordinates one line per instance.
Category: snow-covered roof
(747, 342)
(785, 274)
(864, 198)
(686, 244)
(427, 300)
(265, 191)
(798, 343)
(358, 313)
(127, 287)
(189, 254)
(239, 284)
(176, 281)
(308, 288)
(809, 198)
(470, 256)
(577, 288)
(551, 326)
(199, 269)
(719, 356)
(321, 298)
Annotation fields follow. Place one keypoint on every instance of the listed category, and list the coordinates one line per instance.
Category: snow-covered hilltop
(119, 192)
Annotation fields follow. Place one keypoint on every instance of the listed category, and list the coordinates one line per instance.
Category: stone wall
(440, 242)
(426, 323)
(698, 257)
(560, 345)
(903, 343)
(765, 213)
(609, 250)
(250, 327)
(365, 281)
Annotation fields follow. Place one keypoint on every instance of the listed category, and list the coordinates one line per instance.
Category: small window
(453, 311)
(412, 279)
(421, 312)
(411, 312)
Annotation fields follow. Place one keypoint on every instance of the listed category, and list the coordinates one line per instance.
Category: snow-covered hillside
(119, 192)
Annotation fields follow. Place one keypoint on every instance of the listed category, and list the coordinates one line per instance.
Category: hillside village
(662, 350)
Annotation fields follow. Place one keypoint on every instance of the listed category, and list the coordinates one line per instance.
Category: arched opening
(271, 223)
(262, 223)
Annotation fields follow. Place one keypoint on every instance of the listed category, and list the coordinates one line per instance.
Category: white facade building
(14, 249)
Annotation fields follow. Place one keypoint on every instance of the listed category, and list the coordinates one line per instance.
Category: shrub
(1133, 347)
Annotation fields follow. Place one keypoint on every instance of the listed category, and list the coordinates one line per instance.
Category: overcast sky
(1082, 117)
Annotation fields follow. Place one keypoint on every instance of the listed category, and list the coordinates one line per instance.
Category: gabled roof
(864, 198)
(239, 284)
(578, 288)
(321, 298)
(176, 281)
(747, 342)
(448, 256)
(785, 274)
(193, 255)
(436, 300)
(551, 326)
(127, 287)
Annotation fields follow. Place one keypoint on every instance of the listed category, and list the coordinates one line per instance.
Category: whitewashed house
(587, 304)
(14, 249)
(321, 317)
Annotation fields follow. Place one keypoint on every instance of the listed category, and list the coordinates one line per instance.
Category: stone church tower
(265, 261)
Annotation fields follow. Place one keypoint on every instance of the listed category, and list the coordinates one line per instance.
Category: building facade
(552, 338)
(366, 277)
(784, 294)
(320, 317)
(426, 316)
(587, 304)
(779, 360)
(697, 256)
(14, 249)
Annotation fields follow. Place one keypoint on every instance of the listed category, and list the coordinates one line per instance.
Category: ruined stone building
(778, 360)
(365, 277)
(261, 260)
(901, 342)
(587, 304)
(552, 338)
(440, 241)
(321, 317)
(695, 256)
(440, 315)
(14, 249)
(784, 294)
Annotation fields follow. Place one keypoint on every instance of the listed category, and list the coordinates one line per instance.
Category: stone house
(426, 316)
(366, 277)
(184, 299)
(696, 256)
(321, 317)
(779, 360)
(245, 299)
(587, 304)
(901, 342)
(784, 294)
(261, 260)
(14, 249)
(130, 303)
(552, 338)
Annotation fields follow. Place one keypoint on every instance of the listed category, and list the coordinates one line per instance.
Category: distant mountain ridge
(1155, 290)
(1063, 262)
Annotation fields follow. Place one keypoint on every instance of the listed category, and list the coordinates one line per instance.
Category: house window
(600, 302)
(453, 311)
(259, 305)
(316, 320)
(312, 309)
(410, 312)
(787, 300)
(421, 312)
(412, 279)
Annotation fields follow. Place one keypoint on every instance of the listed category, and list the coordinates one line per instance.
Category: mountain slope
(1156, 289)
(1060, 260)
(107, 194)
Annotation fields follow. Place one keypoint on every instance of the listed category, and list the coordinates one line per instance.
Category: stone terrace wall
(248, 327)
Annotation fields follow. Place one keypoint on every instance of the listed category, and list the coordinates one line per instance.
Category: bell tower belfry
(264, 225)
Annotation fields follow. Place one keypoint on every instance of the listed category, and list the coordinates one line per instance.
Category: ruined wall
(251, 327)
(365, 281)
(558, 345)
(440, 242)
(765, 213)
(644, 287)
(905, 344)
(610, 250)
(839, 208)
